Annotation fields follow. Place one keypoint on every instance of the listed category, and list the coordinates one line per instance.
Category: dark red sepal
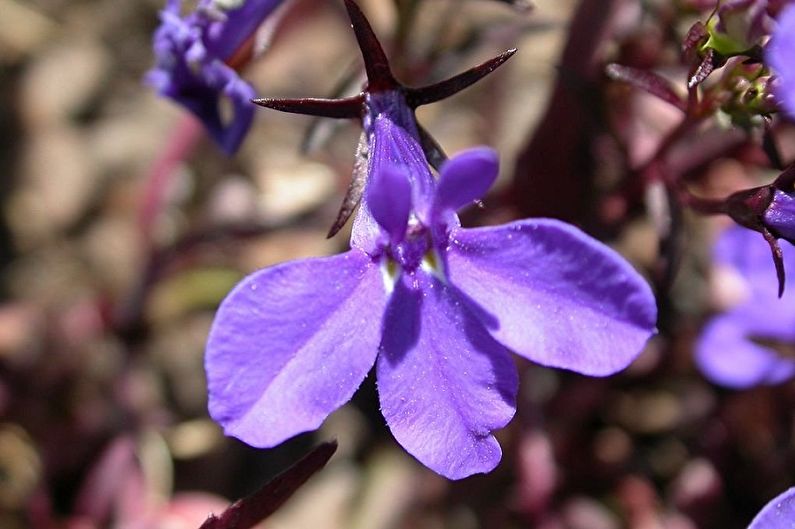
(778, 259)
(747, 208)
(349, 107)
(379, 75)
(444, 89)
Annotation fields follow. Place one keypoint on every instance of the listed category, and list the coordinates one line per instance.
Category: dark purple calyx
(769, 210)
(380, 80)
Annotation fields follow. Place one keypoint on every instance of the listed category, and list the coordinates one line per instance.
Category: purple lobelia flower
(779, 513)
(736, 348)
(433, 306)
(196, 59)
(780, 55)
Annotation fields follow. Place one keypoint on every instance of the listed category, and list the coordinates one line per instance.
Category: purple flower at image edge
(434, 306)
(780, 55)
(733, 348)
(192, 67)
(779, 513)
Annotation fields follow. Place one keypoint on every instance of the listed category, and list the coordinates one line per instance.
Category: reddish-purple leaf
(520, 5)
(251, 510)
(647, 81)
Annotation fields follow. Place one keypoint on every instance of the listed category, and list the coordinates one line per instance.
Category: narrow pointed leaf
(251, 510)
(519, 5)
(648, 82)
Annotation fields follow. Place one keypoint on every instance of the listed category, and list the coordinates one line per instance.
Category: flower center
(410, 252)
(415, 251)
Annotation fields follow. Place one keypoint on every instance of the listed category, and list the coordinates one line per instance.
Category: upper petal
(444, 384)
(779, 513)
(290, 344)
(465, 178)
(389, 200)
(560, 298)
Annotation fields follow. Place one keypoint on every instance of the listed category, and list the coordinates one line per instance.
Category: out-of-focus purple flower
(193, 62)
(433, 305)
(734, 348)
(780, 55)
(779, 513)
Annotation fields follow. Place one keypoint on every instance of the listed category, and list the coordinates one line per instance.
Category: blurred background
(123, 226)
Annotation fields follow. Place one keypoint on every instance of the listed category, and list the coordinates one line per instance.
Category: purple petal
(445, 385)
(779, 54)
(561, 298)
(742, 249)
(224, 38)
(389, 200)
(779, 513)
(727, 356)
(780, 214)
(392, 141)
(465, 178)
(726, 351)
(240, 94)
(290, 344)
